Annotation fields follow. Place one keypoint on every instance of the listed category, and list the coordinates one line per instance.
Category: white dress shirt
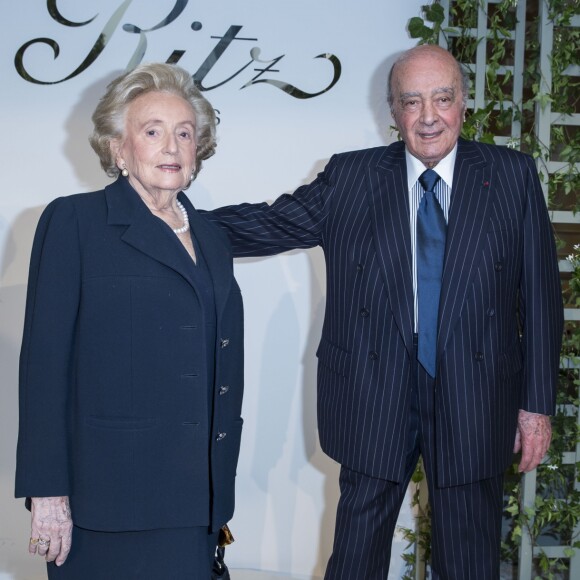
(442, 191)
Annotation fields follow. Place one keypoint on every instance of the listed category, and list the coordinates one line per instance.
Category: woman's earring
(124, 171)
(191, 177)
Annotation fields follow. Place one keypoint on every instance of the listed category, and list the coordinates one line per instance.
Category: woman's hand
(51, 532)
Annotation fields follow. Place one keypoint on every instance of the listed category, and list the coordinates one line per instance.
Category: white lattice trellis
(545, 119)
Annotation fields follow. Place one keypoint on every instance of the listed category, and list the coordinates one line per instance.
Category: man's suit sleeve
(290, 222)
(540, 304)
(46, 357)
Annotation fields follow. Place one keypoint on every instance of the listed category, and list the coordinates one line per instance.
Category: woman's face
(158, 147)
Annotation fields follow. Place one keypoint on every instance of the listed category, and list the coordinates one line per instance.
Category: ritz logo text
(264, 71)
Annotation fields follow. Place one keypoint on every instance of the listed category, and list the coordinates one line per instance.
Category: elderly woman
(131, 363)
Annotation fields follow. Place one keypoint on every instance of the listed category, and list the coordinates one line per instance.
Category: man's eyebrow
(404, 96)
(436, 91)
(447, 90)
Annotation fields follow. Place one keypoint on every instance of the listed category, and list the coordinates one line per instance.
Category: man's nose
(428, 113)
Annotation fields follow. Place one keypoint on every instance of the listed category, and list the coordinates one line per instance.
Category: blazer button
(220, 436)
(498, 266)
(364, 312)
(373, 355)
(224, 342)
(478, 356)
(491, 312)
(360, 267)
(224, 389)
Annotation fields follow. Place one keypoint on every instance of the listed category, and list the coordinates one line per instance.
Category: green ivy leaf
(434, 13)
(417, 27)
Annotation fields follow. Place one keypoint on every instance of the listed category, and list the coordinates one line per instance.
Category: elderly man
(443, 321)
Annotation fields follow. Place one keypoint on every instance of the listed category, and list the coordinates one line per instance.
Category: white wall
(269, 143)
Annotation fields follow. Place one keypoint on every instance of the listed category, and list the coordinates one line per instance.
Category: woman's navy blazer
(115, 410)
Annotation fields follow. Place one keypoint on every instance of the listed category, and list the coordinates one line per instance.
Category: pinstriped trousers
(465, 519)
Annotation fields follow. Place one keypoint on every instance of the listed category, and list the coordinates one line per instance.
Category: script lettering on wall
(225, 42)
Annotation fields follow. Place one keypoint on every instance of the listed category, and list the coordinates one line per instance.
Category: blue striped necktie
(431, 234)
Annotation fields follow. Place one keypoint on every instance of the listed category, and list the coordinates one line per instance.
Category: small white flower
(552, 467)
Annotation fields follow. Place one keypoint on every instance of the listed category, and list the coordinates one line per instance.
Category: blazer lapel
(389, 204)
(145, 232)
(216, 254)
(471, 201)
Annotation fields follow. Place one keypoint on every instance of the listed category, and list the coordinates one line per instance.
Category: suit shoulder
(61, 211)
(86, 200)
(502, 153)
(364, 157)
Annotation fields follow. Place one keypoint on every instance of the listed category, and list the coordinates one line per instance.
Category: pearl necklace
(185, 227)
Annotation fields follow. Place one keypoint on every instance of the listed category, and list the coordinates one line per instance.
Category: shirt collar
(444, 168)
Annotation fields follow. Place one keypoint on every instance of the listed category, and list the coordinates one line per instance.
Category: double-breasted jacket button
(491, 312)
(498, 266)
(360, 267)
(364, 312)
(220, 436)
(373, 355)
(224, 342)
(223, 389)
(478, 356)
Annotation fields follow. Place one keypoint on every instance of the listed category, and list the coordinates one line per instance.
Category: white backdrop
(269, 143)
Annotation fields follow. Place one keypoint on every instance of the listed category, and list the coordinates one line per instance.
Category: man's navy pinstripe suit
(500, 322)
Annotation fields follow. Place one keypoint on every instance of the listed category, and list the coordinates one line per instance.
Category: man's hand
(532, 438)
(51, 531)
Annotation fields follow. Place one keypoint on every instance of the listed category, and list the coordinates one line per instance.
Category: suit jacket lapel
(471, 201)
(389, 204)
(215, 253)
(145, 232)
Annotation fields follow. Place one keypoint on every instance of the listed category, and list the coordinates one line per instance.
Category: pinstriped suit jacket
(500, 319)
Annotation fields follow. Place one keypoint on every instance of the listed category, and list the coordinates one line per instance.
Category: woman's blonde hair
(109, 116)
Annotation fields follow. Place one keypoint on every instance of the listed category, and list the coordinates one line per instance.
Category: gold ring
(34, 541)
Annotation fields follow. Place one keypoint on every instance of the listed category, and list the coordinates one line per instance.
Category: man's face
(428, 104)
